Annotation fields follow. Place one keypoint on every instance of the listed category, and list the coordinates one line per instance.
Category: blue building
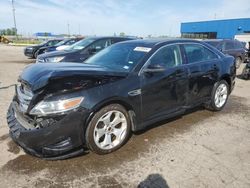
(215, 29)
(43, 34)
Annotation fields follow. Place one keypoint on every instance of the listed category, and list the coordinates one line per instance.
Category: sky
(106, 17)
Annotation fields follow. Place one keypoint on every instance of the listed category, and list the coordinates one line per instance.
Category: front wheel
(109, 129)
(36, 54)
(219, 96)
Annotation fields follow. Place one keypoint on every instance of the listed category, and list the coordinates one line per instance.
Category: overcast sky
(106, 17)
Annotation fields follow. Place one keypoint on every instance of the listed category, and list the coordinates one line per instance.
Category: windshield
(213, 43)
(61, 43)
(44, 42)
(81, 44)
(120, 57)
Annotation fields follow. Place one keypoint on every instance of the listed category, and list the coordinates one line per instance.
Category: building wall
(225, 29)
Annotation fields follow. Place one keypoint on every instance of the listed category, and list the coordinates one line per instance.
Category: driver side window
(168, 56)
(101, 44)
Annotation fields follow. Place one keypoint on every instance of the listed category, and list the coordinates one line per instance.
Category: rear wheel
(219, 96)
(109, 129)
(238, 62)
(246, 73)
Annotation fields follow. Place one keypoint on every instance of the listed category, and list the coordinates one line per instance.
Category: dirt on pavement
(198, 149)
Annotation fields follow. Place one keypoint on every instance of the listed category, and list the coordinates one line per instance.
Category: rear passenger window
(169, 56)
(196, 53)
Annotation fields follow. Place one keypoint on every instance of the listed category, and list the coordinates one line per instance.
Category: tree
(122, 34)
(8, 31)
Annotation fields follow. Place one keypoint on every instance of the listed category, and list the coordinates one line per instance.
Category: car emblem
(134, 92)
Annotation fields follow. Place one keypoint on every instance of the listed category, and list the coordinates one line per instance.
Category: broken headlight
(53, 107)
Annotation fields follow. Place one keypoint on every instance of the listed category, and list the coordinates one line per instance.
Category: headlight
(53, 107)
(55, 59)
(29, 48)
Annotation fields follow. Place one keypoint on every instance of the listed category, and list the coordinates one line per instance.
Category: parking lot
(198, 149)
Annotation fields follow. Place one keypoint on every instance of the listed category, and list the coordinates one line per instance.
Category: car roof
(213, 40)
(219, 40)
(108, 37)
(159, 41)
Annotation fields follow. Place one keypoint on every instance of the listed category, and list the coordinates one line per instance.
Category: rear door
(164, 92)
(203, 70)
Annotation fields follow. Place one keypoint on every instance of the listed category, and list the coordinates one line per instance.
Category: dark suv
(32, 51)
(81, 50)
(62, 109)
(231, 47)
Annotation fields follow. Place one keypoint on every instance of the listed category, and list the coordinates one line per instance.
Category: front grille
(24, 95)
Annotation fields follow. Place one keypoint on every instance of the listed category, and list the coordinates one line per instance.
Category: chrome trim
(24, 96)
(178, 43)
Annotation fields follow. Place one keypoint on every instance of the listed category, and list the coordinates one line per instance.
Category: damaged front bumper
(60, 139)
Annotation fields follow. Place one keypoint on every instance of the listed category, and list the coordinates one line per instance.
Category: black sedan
(81, 50)
(60, 110)
(32, 51)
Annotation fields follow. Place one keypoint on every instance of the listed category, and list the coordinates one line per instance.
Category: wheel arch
(227, 78)
(119, 101)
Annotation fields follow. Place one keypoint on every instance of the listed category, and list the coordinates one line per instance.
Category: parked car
(81, 50)
(61, 45)
(231, 47)
(32, 51)
(60, 110)
(246, 71)
(68, 44)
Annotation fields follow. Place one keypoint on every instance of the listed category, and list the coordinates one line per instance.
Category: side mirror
(155, 68)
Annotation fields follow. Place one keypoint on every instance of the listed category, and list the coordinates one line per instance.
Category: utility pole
(14, 16)
(68, 29)
(79, 29)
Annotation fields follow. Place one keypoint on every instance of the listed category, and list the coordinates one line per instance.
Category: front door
(165, 91)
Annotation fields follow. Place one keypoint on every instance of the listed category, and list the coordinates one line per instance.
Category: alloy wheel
(221, 95)
(110, 130)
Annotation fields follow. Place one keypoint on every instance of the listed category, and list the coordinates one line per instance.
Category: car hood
(56, 54)
(35, 46)
(65, 76)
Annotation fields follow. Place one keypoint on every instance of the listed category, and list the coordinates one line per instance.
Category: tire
(103, 134)
(219, 96)
(245, 73)
(238, 62)
(36, 54)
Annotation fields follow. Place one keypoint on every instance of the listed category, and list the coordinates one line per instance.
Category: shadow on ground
(154, 181)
